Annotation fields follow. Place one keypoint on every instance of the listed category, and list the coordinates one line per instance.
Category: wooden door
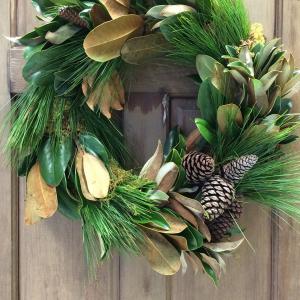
(45, 261)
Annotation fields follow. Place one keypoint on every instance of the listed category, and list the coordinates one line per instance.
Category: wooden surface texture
(45, 261)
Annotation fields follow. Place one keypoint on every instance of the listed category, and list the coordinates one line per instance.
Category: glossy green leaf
(155, 11)
(66, 205)
(154, 219)
(210, 272)
(171, 141)
(54, 159)
(25, 166)
(174, 156)
(206, 66)
(231, 50)
(193, 237)
(92, 145)
(205, 130)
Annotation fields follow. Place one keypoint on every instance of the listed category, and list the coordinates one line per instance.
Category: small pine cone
(221, 225)
(217, 196)
(198, 166)
(236, 169)
(72, 15)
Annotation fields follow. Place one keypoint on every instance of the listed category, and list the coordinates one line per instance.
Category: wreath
(185, 203)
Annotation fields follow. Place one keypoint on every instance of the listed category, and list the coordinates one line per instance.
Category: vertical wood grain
(5, 173)
(248, 274)
(143, 126)
(288, 262)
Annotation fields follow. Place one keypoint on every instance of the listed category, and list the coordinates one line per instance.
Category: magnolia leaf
(183, 212)
(144, 48)
(91, 144)
(160, 253)
(202, 227)
(115, 8)
(159, 196)
(292, 86)
(246, 57)
(205, 130)
(176, 225)
(213, 263)
(241, 67)
(154, 220)
(238, 76)
(62, 34)
(54, 159)
(268, 79)
(192, 140)
(156, 25)
(193, 237)
(175, 9)
(224, 246)
(166, 176)
(192, 204)
(98, 15)
(155, 11)
(105, 41)
(276, 92)
(178, 241)
(195, 261)
(96, 175)
(107, 95)
(206, 66)
(152, 166)
(260, 94)
(82, 179)
(228, 113)
(41, 199)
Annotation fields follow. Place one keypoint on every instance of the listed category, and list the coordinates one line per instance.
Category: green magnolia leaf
(209, 99)
(206, 66)
(26, 165)
(231, 50)
(91, 144)
(246, 57)
(155, 220)
(62, 34)
(67, 206)
(31, 39)
(155, 12)
(268, 79)
(54, 159)
(30, 50)
(175, 157)
(42, 6)
(282, 106)
(237, 76)
(205, 130)
(227, 115)
(241, 67)
(193, 237)
(172, 140)
(210, 272)
(144, 48)
(260, 94)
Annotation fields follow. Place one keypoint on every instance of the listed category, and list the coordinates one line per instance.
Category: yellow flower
(257, 33)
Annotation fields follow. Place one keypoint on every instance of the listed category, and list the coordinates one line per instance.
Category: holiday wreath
(186, 201)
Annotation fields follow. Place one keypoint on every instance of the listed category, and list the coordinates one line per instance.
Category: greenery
(207, 31)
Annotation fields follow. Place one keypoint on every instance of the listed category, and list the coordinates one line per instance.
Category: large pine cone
(236, 169)
(220, 226)
(217, 196)
(72, 15)
(198, 166)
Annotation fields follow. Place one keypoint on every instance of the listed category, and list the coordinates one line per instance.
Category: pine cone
(217, 196)
(236, 169)
(72, 15)
(198, 166)
(221, 225)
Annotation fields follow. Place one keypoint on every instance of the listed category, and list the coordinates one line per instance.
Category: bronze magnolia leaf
(192, 139)
(82, 179)
(105, 41)
(167, 176)
(227, 113)
(224, 246)
(192, 204)
(213, 263)
(183, 212)
(96, 175)
(160, 253)
(116, 8)
(98, 15)
(152, 166)
(179, 241)
(41, 199)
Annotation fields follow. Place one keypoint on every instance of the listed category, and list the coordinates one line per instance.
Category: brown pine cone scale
(220, 226)
(72, 15)
(198, 166)
(217, 196)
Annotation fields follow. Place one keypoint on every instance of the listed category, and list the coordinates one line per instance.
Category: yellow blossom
(257, 33)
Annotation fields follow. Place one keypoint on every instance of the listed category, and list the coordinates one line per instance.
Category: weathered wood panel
(6, 249)
(288, 263)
